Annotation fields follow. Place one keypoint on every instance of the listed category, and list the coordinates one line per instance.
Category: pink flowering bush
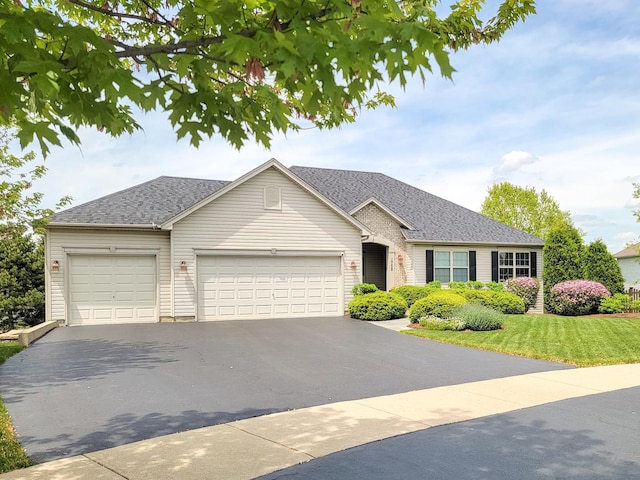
(577, 297)
(526, 288)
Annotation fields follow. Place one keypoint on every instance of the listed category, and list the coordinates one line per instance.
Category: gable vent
(272, 198)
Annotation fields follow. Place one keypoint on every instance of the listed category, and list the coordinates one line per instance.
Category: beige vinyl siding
(630, 268)
(238, 220)
(483, 263)
(62, 242)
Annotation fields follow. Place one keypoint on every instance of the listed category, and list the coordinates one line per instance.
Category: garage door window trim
(270, 252)
(110, 251)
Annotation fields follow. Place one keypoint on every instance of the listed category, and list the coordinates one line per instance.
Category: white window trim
(513, 267)
(451, 265)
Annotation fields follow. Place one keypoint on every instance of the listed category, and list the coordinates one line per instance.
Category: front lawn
(12, 455)
(583, 341)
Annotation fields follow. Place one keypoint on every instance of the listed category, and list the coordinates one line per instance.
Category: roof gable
(373, 201)
(273, 163)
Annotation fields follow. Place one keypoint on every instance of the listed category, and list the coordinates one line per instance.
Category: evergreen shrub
(377, 306)
(439, 304)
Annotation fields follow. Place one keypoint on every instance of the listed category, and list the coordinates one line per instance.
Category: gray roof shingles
(434, 219)
(152, 202)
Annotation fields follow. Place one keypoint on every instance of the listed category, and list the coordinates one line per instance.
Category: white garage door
(107, 289)
(233, 287)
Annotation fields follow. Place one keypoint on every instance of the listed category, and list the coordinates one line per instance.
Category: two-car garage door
(107, 289)
(235, 287)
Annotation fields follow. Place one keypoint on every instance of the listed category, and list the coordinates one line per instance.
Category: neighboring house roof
(630, 251)
(433, 219)
(150, 203)
(430, 218)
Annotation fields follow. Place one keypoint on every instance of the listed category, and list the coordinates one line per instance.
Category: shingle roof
(155, 201)
(433, 218)
(630, 251)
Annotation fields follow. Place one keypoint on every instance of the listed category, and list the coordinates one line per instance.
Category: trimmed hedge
(377, 306)
(438, 304)
(364, 288)
(413, 293)
(503, 302)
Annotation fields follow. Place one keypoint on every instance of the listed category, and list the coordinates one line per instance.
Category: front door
(374, 264)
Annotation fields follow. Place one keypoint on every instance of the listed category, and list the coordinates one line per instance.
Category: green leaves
(19, 205)
(240, 69)
(524, 209)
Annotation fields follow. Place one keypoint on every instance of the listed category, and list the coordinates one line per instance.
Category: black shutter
(494, 266)
(472, 265)
(533, 262)
(429, 266)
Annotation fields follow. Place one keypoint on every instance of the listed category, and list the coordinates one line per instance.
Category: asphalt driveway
(81, 389)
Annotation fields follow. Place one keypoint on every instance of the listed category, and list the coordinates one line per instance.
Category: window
(512, 264)
(450, 266)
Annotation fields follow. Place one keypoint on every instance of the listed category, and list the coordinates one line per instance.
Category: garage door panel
(246, 295)
(267, 286)
(112, 289)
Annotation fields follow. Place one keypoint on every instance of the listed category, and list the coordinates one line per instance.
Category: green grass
(583, 341)
(12, 455)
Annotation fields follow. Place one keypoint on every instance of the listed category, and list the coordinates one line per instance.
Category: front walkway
(257, 446)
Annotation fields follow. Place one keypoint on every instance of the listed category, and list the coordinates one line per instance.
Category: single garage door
(234, 287)
(112, 289)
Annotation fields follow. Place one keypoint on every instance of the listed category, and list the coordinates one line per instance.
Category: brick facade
(387, 230)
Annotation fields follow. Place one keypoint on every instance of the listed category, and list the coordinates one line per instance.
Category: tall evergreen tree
(601, 266)
(562, 258)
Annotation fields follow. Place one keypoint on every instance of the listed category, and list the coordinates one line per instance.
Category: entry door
(374, 264)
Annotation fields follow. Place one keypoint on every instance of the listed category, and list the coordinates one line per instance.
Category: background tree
(524, 208)
(601, 266)
(21, 277)
(562, 258)
(19, 204)
(21, 250)
(227, 67)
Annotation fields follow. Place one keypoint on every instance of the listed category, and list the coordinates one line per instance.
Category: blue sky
(555, 105)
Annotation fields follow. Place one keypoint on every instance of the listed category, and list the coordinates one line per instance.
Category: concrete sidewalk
(257, 446)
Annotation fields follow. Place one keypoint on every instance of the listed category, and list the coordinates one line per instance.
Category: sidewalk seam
(84, 455)
(288, 447)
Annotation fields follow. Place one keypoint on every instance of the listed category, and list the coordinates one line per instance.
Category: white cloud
(514, 161)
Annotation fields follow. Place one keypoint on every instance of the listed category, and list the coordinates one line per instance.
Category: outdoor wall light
(353, 265)
(55, 266)
(183, 266)
(400, 259)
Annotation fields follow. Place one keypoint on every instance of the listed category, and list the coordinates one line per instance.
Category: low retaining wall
(29, 335)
